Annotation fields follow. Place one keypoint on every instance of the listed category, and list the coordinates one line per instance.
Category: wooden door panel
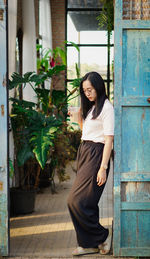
(132, 130)
(134, 229)
(136, 63)
(135, 150)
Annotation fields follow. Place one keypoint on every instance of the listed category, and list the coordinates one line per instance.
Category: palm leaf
(22, 103)
(18, 80)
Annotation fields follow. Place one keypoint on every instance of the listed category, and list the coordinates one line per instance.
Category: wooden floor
(48, 232)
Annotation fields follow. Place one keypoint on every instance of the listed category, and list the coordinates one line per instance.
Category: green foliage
(76, 82)
(24, 152)
(42, 140)
(106, 16)
(33, 132)
(55, 70)
(59, 52)
(58, 98)
(18, 80)
(77, 71)
(66, 144)
(34, 79)
(73, 44)
(44, 61)
(37, 127)
(58, 55)
(43, 97)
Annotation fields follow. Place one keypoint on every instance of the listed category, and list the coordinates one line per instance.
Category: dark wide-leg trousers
(85, 195)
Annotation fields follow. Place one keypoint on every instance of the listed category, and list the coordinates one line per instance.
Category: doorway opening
(49, 230)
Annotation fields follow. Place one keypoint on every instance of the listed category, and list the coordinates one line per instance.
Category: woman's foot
(105, 247)
(82, 251)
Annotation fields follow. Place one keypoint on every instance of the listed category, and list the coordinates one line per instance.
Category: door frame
(4, 117)
(119, 102)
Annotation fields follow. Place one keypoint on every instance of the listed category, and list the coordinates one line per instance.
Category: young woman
(93, 156)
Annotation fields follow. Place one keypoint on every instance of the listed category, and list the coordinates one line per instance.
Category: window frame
(108, 80)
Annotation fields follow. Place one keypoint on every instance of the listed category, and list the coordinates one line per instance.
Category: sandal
(105, 247)
(82, 251)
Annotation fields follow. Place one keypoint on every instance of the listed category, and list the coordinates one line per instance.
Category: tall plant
(36, 126)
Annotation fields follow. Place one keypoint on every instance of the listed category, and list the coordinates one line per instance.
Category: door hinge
(1, 14)
(2, 110)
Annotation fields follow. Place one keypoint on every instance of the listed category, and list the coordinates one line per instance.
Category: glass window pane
(93, 59)
(72, 33)
(84, 4)
(72, 59)
(83, 29)
(112, 38)
(78, 21)
(93, 37)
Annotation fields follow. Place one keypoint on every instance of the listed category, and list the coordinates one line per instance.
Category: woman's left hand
(101, 177)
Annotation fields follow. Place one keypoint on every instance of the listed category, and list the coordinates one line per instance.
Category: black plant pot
(21, 201)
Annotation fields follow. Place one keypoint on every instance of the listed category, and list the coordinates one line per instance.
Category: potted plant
(34, 134)
(37, 128)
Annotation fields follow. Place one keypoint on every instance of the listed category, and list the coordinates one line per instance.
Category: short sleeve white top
(96, 129)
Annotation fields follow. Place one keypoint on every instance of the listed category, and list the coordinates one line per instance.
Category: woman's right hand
(101, 177)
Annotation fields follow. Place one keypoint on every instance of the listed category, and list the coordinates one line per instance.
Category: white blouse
(96, 129)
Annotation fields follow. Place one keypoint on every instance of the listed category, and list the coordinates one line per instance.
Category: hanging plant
(106, 16)
(106, 22)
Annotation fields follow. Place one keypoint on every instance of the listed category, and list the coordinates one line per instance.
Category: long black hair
(98, 84)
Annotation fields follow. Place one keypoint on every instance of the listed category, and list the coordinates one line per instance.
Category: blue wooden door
(3, 134)
(132, 129)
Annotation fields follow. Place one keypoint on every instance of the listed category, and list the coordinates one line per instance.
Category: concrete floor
(48, 232)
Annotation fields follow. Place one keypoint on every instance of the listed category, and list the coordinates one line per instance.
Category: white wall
(45, 23)
(29, 44)
(45, 28)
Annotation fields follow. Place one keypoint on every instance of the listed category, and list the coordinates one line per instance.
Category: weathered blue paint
(134, 24)
(135, 139)
(130, 177)
(132, 235)
(3, 137)
(130, 251)
(135, 192)
(132, 136)
(134, 101)
(135, 206)
(136, 61)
